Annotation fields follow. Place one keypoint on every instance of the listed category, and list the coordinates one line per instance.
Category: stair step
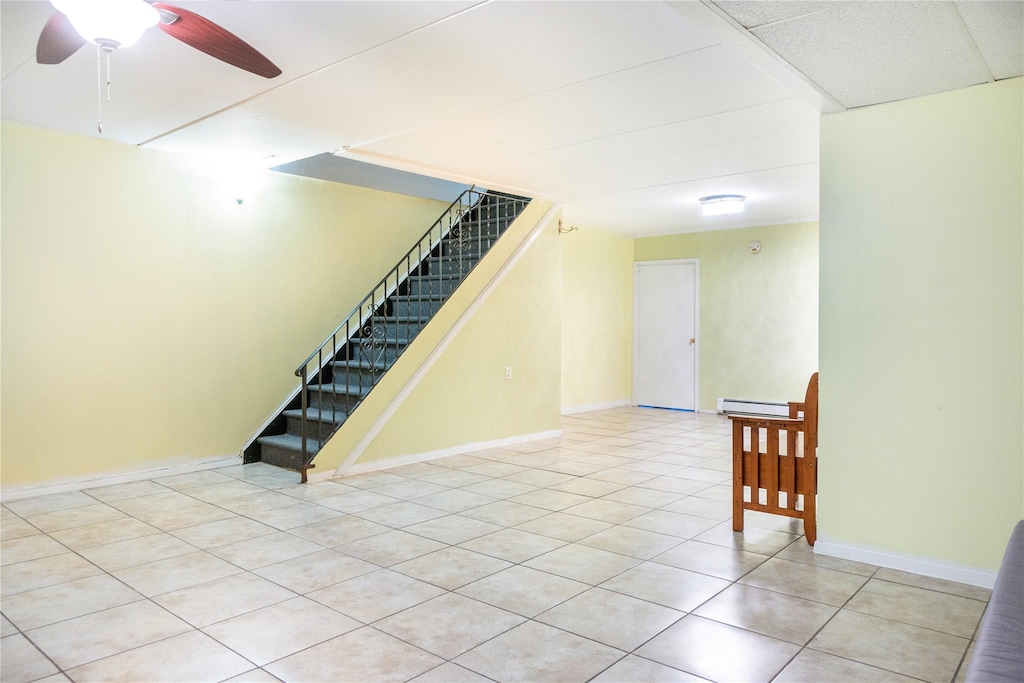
(318, 422)
(433, 284)
(285, 450)
(447, 265)
(357, 370)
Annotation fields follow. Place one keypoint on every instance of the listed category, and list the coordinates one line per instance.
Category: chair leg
(810, 518)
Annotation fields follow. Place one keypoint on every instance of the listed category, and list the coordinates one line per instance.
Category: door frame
(696, 324)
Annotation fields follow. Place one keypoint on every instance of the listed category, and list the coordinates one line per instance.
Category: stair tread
(361, 364)
(354, 389)
(288, 442)
(315, 414)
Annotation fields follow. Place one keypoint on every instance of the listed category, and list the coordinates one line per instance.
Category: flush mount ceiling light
(718, 204)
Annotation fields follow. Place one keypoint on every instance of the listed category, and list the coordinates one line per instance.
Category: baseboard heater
(738, 406)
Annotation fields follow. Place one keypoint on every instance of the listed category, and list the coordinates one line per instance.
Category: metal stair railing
(368, 330)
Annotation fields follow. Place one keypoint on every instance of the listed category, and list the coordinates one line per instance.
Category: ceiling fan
(113, 24)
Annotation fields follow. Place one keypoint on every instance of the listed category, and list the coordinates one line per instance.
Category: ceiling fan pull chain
(99, 90)
(108, 74)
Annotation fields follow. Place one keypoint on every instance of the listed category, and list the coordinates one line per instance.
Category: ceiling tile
(865, 53)
(689, 86)
(751, 13)
(998, 30)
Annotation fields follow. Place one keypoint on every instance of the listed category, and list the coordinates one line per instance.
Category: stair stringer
(351, 441)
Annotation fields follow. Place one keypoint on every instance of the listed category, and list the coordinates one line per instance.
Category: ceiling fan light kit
(109, 23)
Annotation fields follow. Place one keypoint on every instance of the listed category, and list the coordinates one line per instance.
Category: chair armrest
(764, 422)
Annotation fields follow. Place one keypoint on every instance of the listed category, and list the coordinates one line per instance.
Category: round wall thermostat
(754, 247)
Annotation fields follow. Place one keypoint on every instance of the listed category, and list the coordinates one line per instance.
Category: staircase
(339, 374)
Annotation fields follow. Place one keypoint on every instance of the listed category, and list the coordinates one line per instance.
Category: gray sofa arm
(999, 653)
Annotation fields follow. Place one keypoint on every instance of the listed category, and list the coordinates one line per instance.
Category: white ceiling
(629, 111)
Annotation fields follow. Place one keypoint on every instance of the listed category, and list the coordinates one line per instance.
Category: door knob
(693, 340)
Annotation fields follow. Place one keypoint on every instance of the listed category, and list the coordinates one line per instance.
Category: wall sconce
(719, 204)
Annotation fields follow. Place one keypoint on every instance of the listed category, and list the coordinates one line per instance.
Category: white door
(665, 334)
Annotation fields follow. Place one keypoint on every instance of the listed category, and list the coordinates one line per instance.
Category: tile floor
(605, 555)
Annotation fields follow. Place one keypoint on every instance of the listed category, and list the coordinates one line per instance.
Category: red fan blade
(58, 41)
(208, 37)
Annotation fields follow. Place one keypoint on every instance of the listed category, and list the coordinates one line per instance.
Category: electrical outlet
(508, 373)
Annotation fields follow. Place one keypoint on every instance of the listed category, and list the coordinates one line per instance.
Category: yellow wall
(147, 316)
(758, 312)
(597, 318)
(464, 397)
(922, 283)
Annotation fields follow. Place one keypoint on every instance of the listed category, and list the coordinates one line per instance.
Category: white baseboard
(375, 465)
(172, 467)
(926, 566)
(591, 407)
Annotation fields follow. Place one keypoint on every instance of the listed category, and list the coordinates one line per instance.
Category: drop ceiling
(627, 111)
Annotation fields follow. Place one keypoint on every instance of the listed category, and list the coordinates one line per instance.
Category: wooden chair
(778, 456)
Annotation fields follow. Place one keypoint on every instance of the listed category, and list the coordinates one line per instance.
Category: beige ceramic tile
(391, 547)
(564, 527)
(338, 531)
(182, 482)
(104, 533)
(719, 652)
(270, 549)
(965, 664)
(550, 500)
(536, 652)
(299, 513)
(633, 542)
(362, 655)
(607, 511)
(751, 539)
(617, 475)
(449, 625)
(223, 532)
(495, 469)
(15, 527)
(772, 614)
(173, 511)
(315, 571)
(499, 488)
(953, 587)
(655, 493)
(376, 595)
(222, 491)
(453, 529)
(671, 523)
(633, 668)
(29, 548)
(124, 554)
(410, 489)
(454, 500)
(450, 673)
(213, 601)
(523, 590)
(764, 520)
(811, 665)
(273, 632)
(369, 480)
(799, 551)
(248, 503)
(356, 501)
(49, 605)
(581, 563)
(718, 510)
(725, 563)
(37, 505)
(175, 573)
(541, 478)
(89, 638)
(74, 517)
(401, 514)
(456, 478)
(614, 619)
(451, 568)
(805, 581)
(253, 676)
(918, 606)
(316, 490)
(417, 470)
(909, 650)
(21, 662)
(207, 660)
(135, 489)
(6, 627)
(46, 571)
(585, 486)
(506, 513)
(512, 545)
(676, 588)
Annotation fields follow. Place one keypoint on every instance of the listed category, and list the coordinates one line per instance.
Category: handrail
(359, 306)
(456, 240)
